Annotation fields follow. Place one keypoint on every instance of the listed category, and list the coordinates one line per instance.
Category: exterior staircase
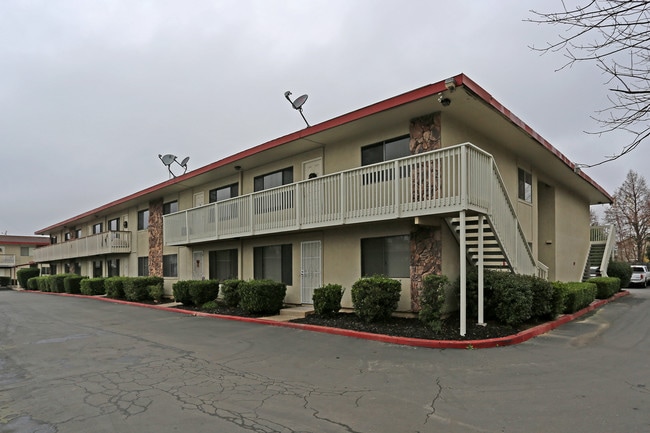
(493, 254)
(601, 244)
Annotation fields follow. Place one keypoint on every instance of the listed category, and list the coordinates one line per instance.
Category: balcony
(7, 260)
(103, 243)
(443, 182)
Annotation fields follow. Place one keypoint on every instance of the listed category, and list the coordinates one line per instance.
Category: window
(386, 150)
(25, 251)
(78, 234)
(223, 264)
(143, 219)
(271, 180)
(67, 236)
(114, 224)
(224, 193)
(143, 266)
(66, 268)
(113, 267)
(170, 207)
(274, 263)
(170, 265)
(389, 256)
(97, 228)
(525, 186)
(52, 269)
(97, 269)
(53, 240)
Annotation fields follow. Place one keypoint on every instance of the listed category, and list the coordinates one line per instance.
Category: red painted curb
(510, 340)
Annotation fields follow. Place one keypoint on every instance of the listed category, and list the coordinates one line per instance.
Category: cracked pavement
(82, 365)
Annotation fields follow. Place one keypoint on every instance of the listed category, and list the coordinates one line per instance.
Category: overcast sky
(92, 91)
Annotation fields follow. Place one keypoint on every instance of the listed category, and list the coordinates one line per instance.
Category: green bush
(32, 283)
(157, 292)
(513, 299)
(560, 293)
(230, 292)
(57, 282)
(620, 270)
(138, 289)
(114, 287)
(262, 296)
(5, 281)
(93, 286)
(22, 275)
(327, 299)
(606, 286)
(375, 298)
(181, 292)
(42, 283)
(579, 296)
(210, 305)
(542, 291)
(432, 300)
(202, 291)
(72, 284)
(472, 292)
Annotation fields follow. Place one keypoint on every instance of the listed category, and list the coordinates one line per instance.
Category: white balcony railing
(445, 181)
(7, 260)
(101, 243)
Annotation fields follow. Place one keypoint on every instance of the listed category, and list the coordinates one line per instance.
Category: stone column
(425, 242)
(156, 238)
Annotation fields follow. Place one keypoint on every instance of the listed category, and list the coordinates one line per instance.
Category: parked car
(640, 276)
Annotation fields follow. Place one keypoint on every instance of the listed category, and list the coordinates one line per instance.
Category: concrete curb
(510, 340)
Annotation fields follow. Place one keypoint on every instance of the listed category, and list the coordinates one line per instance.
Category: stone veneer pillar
(156, 238)
(425, 241)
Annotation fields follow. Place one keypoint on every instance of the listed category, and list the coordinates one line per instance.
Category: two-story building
(17, 252)
(424, 182)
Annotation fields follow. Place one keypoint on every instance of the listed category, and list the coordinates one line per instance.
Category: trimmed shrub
(72, 284)
(620, 270)
(5, 281)
(579, 296)
(605, 286)
(432, 300)
(114, 287)
(22, 275)
(375, 298)
(42, 283)
(32, 283)
(202, 291)
(262, 296)
(542, 291)
(472, 292)
(137, 289)
(157, 292)
(327, 299)
(230, 292)
(181, 292)
(57, 281)
(93, 286)
(210, 305)
(560, 293)
(514, 299)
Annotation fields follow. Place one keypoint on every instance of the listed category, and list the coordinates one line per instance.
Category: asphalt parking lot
(82, 365)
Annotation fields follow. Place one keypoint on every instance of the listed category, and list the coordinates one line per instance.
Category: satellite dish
(169, 159)
(299, 101)
(297, 104)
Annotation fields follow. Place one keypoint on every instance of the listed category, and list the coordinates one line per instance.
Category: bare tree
(614, 34)
(630, 213)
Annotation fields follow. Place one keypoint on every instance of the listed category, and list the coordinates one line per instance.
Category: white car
(639, 275)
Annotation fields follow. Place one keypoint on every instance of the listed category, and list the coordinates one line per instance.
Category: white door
(199, 199)
(310, 269)
(197, 265)
(312, 168)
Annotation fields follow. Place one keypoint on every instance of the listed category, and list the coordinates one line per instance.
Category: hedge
(137, 289)
(230, 292)
(115, 287)
(195, 292)
(432, 300)
(72, 283)
(5, 281)
(93, 286)
(375, 298)
(578, 295)
(57, 282)
(327, 299)
(606, 286)
(620, 270)
(262, 296)
(22, 275)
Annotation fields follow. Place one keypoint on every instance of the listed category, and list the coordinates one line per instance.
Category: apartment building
(17, 252)
(428, 181)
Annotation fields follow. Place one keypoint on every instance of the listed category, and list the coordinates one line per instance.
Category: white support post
(481, 320)
(463, 275)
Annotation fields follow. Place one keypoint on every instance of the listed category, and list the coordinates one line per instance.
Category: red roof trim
(396, 101)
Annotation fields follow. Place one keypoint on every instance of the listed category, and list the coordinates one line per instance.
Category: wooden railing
(102, 243)
(444, 181)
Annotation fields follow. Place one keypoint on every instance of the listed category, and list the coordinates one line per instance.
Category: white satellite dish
(169, 159)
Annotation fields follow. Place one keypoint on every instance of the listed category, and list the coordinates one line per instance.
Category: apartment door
(312, 168)
(197, 265)
(310, 269)
(199, 199)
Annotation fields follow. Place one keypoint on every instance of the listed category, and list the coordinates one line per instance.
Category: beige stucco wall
(572, 239)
